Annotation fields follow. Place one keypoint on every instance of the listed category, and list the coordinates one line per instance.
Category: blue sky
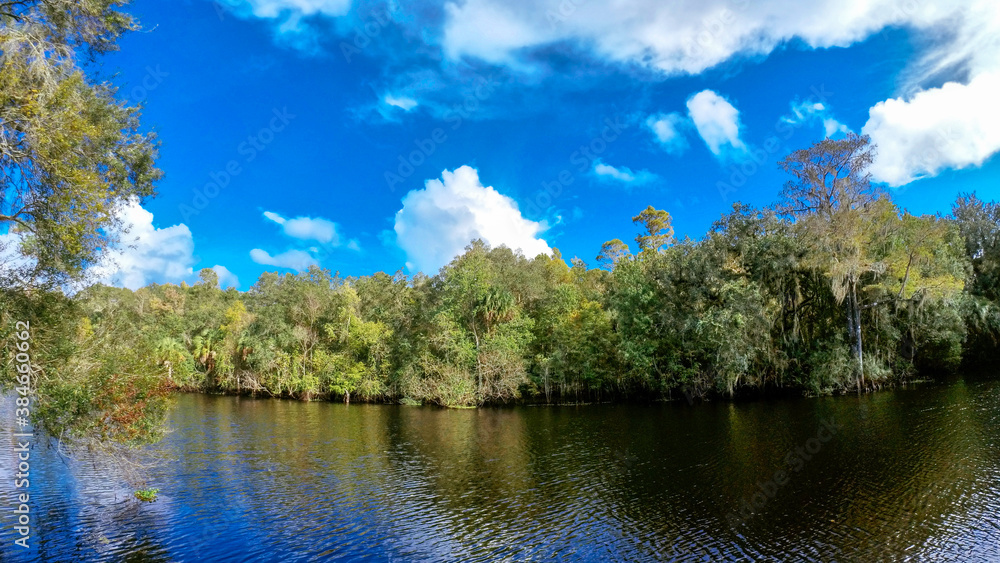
(373, 136)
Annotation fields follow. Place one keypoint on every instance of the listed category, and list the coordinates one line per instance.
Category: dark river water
(909, 474)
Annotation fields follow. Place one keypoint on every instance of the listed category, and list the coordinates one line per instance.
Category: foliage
(71, 154)
(777, 298)
(147, 495)
(757, 303)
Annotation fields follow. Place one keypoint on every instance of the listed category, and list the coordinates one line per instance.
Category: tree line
(833, 288)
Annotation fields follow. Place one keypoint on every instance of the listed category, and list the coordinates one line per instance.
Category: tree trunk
(854, 330)
(548, 388)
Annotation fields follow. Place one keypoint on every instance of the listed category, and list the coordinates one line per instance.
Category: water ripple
(911, 475)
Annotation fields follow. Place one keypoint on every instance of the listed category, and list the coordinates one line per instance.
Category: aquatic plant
(147, 495)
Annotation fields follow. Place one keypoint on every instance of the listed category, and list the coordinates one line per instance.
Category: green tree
(979, 225)
(840, 212)
(659, 232)
(71, 154)
(612, 252)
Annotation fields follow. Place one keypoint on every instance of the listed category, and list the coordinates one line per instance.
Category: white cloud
(623, 174)
(956, 40)
(717, 121)
(293, 259)
(670, 37)
(401, 102)
(13, 264)
(143, 255)
(226, 278)
(808, 112)
(307, 228)
(275, 8)
(10, 254)
(832, 127)
(437, 223)
(963, 38)
(667, 128)
(804, 111)
(954, 126)
(288, 13)
(290, 19)
(146, 254)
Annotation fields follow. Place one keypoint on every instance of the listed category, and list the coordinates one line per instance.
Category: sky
(373, 136)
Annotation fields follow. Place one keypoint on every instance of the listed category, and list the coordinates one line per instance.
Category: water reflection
(911, 473)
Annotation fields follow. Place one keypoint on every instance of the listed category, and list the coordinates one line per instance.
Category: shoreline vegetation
(834, 289)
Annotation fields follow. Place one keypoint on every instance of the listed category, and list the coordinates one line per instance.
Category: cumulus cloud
(299, 260)
(304, 229)
(717, 121)
(146, 254)
(622, 174)
(954, 126)
(951, 125)
(668, 37)
(668, 131)
(226, 278)
(307, 228)
(437, 222)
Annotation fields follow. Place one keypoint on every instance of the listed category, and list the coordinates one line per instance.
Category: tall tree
(837, 207)
(659, 232)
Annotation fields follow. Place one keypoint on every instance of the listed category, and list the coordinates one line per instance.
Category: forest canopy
(833, 288)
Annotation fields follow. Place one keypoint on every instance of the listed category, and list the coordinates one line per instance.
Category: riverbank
(682, 396)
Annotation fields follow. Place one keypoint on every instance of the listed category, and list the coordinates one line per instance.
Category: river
(912, 473)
